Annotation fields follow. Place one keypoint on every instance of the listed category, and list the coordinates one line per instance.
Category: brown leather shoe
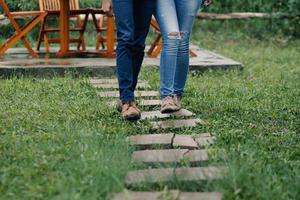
(130, 112)
(177, 101)
(168, 105)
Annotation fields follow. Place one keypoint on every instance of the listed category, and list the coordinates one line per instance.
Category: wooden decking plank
(159, 115)
(189, 123)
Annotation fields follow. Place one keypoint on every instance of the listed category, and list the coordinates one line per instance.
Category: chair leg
(154, 45)
(46, 40)
(82, 25)
(21, 35)
(100, 40)
(41, 35)
(157, 49)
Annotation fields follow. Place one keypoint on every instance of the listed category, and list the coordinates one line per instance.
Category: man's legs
(123, 10)
(143, 11)
(133, 21)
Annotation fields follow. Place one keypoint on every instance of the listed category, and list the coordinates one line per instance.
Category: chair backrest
(54, 5)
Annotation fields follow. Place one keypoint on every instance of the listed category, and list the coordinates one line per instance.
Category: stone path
(165, 149)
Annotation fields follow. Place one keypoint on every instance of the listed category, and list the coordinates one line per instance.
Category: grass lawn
(58, 140)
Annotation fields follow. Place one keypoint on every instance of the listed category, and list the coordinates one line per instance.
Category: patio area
(16, 61)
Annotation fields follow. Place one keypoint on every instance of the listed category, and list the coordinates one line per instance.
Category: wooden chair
(157, 44)
(20, 33)
(52, 7)
(105, 26)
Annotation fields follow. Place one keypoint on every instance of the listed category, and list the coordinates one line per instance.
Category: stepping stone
(198, 173)
(170, 174)
(149, 141)
(103, 81)
(170, 156)
(168, 195)
(128, 195)
(184, 141)
(159, 156)
(205, 139)
(149, 102)
(195, 156)
(150, 175)
(137, 94)
(108, 81)
(200, 196)
(146, 102)
(176, 124)
(116, 86)
(158, 114)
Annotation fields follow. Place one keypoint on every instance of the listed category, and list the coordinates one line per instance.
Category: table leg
(110, 36)
(64, 28)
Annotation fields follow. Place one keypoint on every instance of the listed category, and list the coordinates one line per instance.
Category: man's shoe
(177, 101)
(130, 112)
(168, 105)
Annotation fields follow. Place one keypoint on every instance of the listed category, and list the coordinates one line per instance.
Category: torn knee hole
(174, 35)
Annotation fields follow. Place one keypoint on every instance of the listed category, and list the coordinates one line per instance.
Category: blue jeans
(133, 19)
(175, 18)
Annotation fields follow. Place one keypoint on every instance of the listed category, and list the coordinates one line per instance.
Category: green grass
(59, 141)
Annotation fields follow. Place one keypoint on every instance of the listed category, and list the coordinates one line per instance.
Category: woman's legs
(186, 13)
(175, 18)
(167, 18)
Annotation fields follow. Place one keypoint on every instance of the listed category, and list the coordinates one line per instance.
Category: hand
(107, 5)
(208, 2)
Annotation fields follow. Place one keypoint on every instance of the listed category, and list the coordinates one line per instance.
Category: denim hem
(124, 101)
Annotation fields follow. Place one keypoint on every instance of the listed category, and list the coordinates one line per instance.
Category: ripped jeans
(175, 18)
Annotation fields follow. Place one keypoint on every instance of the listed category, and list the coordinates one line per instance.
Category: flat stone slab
(152, 140)
(198, 173)
(108, 81)
(137, 94)
(200, 196)
(171, 124)
(159, 115)
(116, 86)
(144, 102)
(171, 140)
(171, 174)
(168, 195)
(149, 102)
(184, 141)
(170, 156)
(205, 139)
(129, 195)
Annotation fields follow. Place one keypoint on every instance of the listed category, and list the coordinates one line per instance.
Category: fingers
(106, 5)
